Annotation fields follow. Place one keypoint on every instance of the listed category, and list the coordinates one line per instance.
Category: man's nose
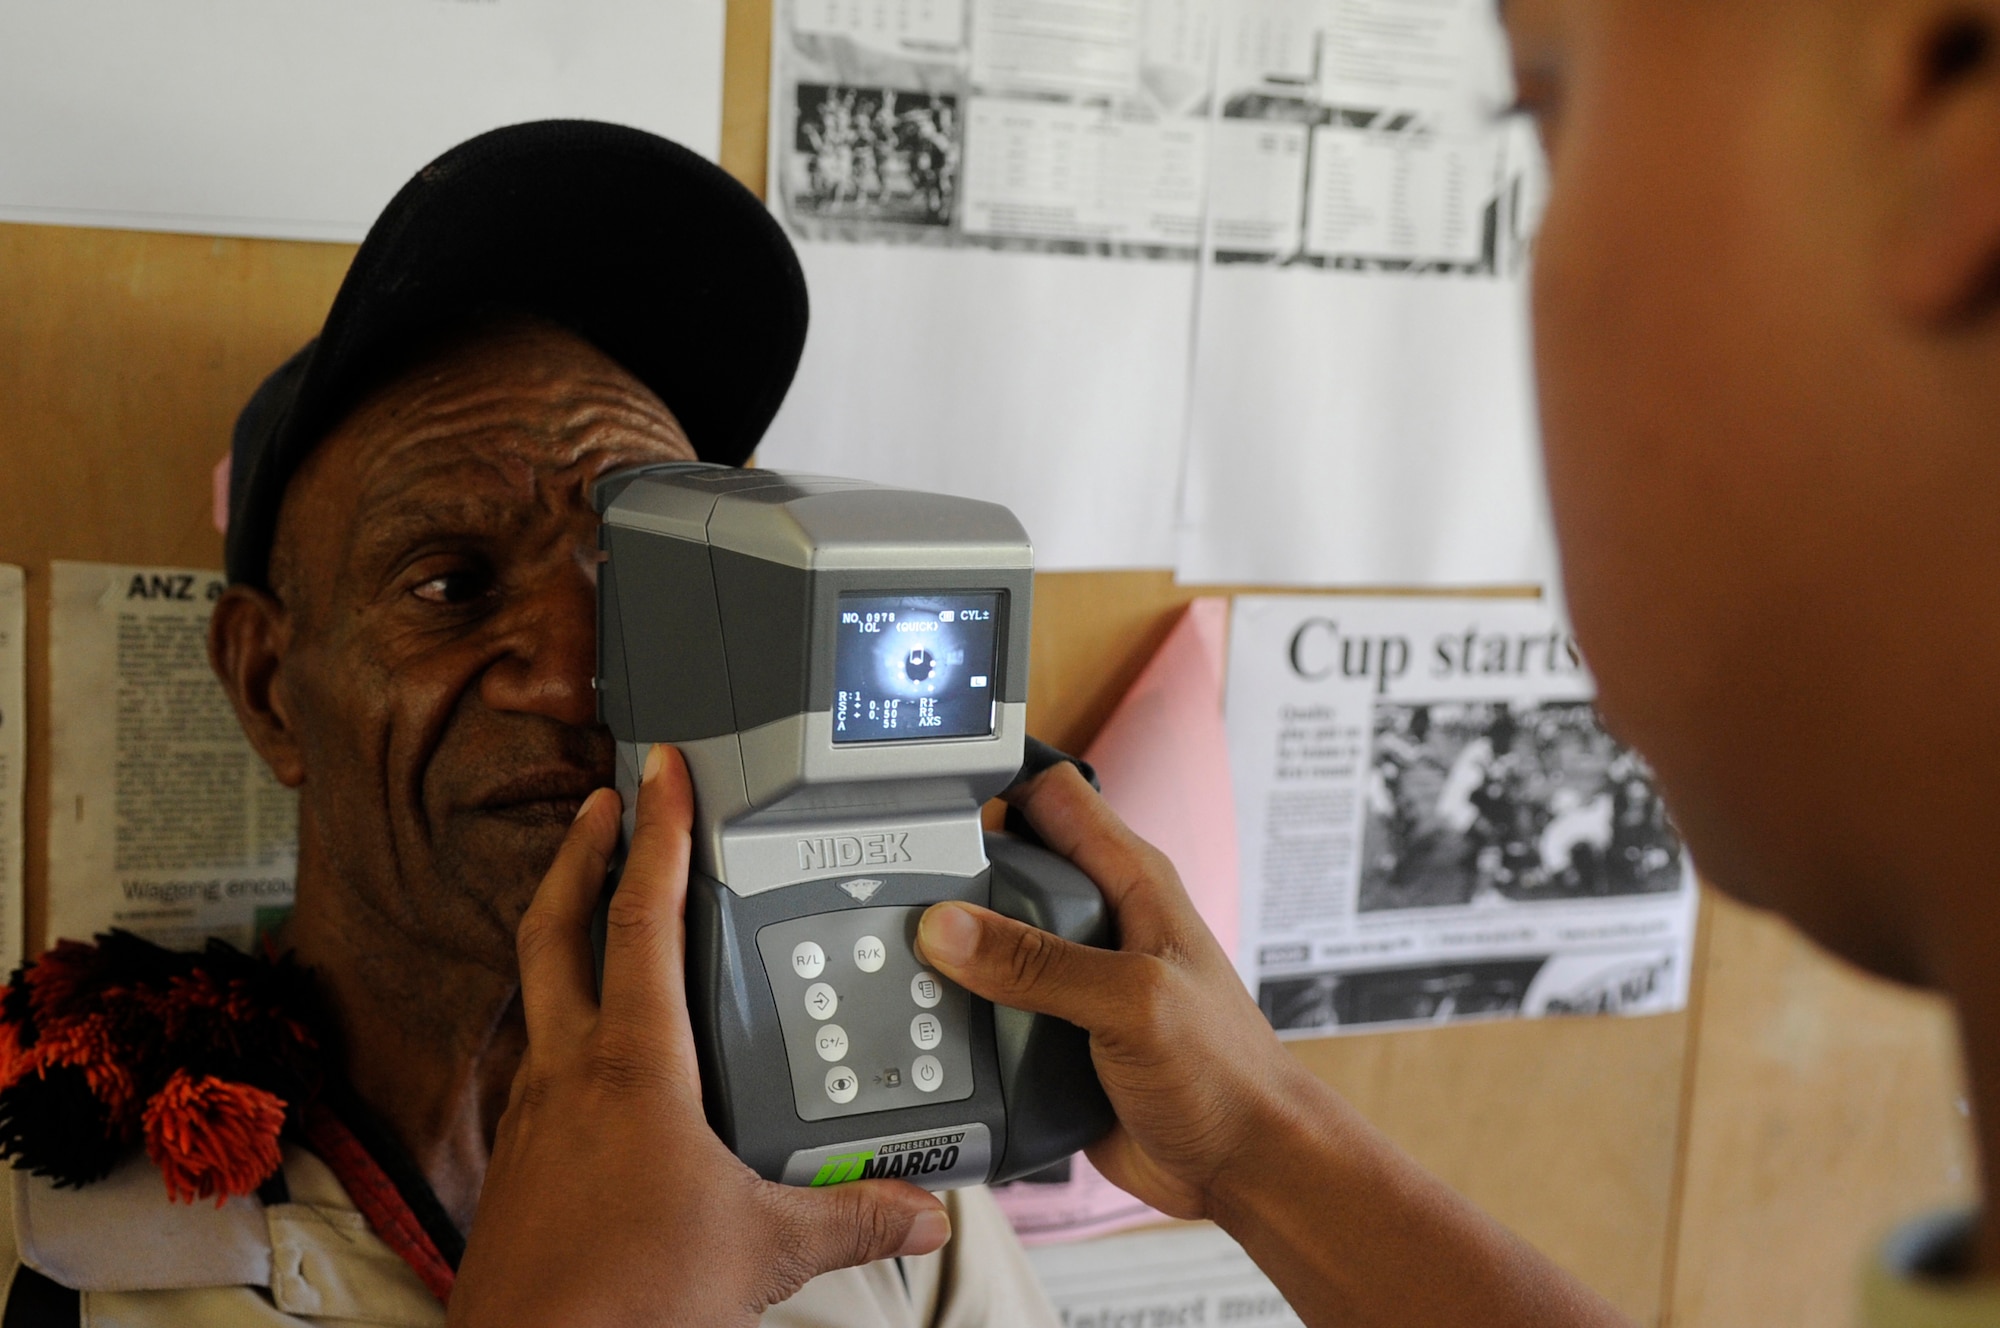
(548, 652)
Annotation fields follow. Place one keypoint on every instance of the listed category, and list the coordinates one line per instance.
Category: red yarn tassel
(212, 1138)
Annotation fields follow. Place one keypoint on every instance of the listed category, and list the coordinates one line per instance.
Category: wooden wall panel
(1825, 1108)
(746, 91)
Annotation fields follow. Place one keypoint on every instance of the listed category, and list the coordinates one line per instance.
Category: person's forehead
(502, 472)
(494, 442)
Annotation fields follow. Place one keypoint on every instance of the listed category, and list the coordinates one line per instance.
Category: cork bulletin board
(1721, 1166)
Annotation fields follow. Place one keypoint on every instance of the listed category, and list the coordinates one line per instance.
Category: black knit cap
(654, 255)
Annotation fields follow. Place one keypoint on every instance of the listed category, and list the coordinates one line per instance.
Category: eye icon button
(841, 1084)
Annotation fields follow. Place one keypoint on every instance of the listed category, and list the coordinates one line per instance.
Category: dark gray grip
(1055, 1104)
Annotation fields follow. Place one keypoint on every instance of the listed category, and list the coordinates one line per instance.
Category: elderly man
(409, 640)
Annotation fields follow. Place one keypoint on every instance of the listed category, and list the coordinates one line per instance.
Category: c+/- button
(830, 1042)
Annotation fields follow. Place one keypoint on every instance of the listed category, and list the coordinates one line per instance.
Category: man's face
(436, 558)
(1764, 510)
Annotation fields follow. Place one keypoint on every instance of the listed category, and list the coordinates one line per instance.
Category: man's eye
(453, 588)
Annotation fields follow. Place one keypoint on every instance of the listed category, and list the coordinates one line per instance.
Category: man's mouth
(540, 797)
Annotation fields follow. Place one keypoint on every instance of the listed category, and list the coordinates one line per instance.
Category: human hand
(1190, 1064)
(609, 1200)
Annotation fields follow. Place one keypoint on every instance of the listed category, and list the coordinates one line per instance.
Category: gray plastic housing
(716, 605)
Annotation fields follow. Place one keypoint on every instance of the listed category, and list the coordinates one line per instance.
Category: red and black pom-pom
(204, 1058)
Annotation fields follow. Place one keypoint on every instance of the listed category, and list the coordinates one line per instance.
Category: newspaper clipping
(1350, 133)
(1435, 825)
(1181, 1275)
(162, 819)
(13, 760)
(1167, 249)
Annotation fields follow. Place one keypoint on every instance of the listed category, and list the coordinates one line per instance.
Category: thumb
(1026, 968)
(842, 1226)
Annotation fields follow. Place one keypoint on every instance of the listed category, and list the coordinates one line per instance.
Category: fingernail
(949, 934)
(588, 799)
(656, 756)
(929, 1232)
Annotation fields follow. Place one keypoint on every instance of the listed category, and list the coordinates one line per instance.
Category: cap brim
(654, 254)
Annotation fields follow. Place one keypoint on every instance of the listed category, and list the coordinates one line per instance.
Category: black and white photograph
(1472, 802)
(874, 154)
(1430, 993)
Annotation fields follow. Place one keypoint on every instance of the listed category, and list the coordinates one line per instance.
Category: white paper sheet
(1363, 428)
(1180, 1276)
(998, 206)
(1051, 383)
(1362, 408)
(162, 819)
(1227, 285)
(1433, 825)
(299, 119)
(13, 760)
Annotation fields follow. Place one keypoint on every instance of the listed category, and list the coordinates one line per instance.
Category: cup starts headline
(1317, 651)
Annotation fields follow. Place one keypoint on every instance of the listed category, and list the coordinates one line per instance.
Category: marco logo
(909, 1157)
(843, 1167)
(838, 852)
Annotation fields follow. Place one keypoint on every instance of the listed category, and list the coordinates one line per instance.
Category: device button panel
(904, 1036)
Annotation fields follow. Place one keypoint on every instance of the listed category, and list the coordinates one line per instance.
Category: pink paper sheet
(1163, 758)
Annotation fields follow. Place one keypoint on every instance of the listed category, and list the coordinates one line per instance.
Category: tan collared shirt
(142, 1261)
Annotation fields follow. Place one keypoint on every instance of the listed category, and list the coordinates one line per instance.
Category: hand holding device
(1191, 1065)
(639, 1214)
(1217, 1120)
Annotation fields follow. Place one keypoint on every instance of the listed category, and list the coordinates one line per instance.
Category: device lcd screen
(915, 666)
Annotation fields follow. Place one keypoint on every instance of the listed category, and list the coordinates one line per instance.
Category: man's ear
(248, 636)
(1944, 257)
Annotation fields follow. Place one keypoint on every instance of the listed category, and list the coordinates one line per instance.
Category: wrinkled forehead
(492, 439)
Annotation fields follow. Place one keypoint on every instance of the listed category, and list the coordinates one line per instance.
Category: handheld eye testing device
(844, 667)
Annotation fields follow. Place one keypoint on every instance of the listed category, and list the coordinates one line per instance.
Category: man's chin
(500, 859)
